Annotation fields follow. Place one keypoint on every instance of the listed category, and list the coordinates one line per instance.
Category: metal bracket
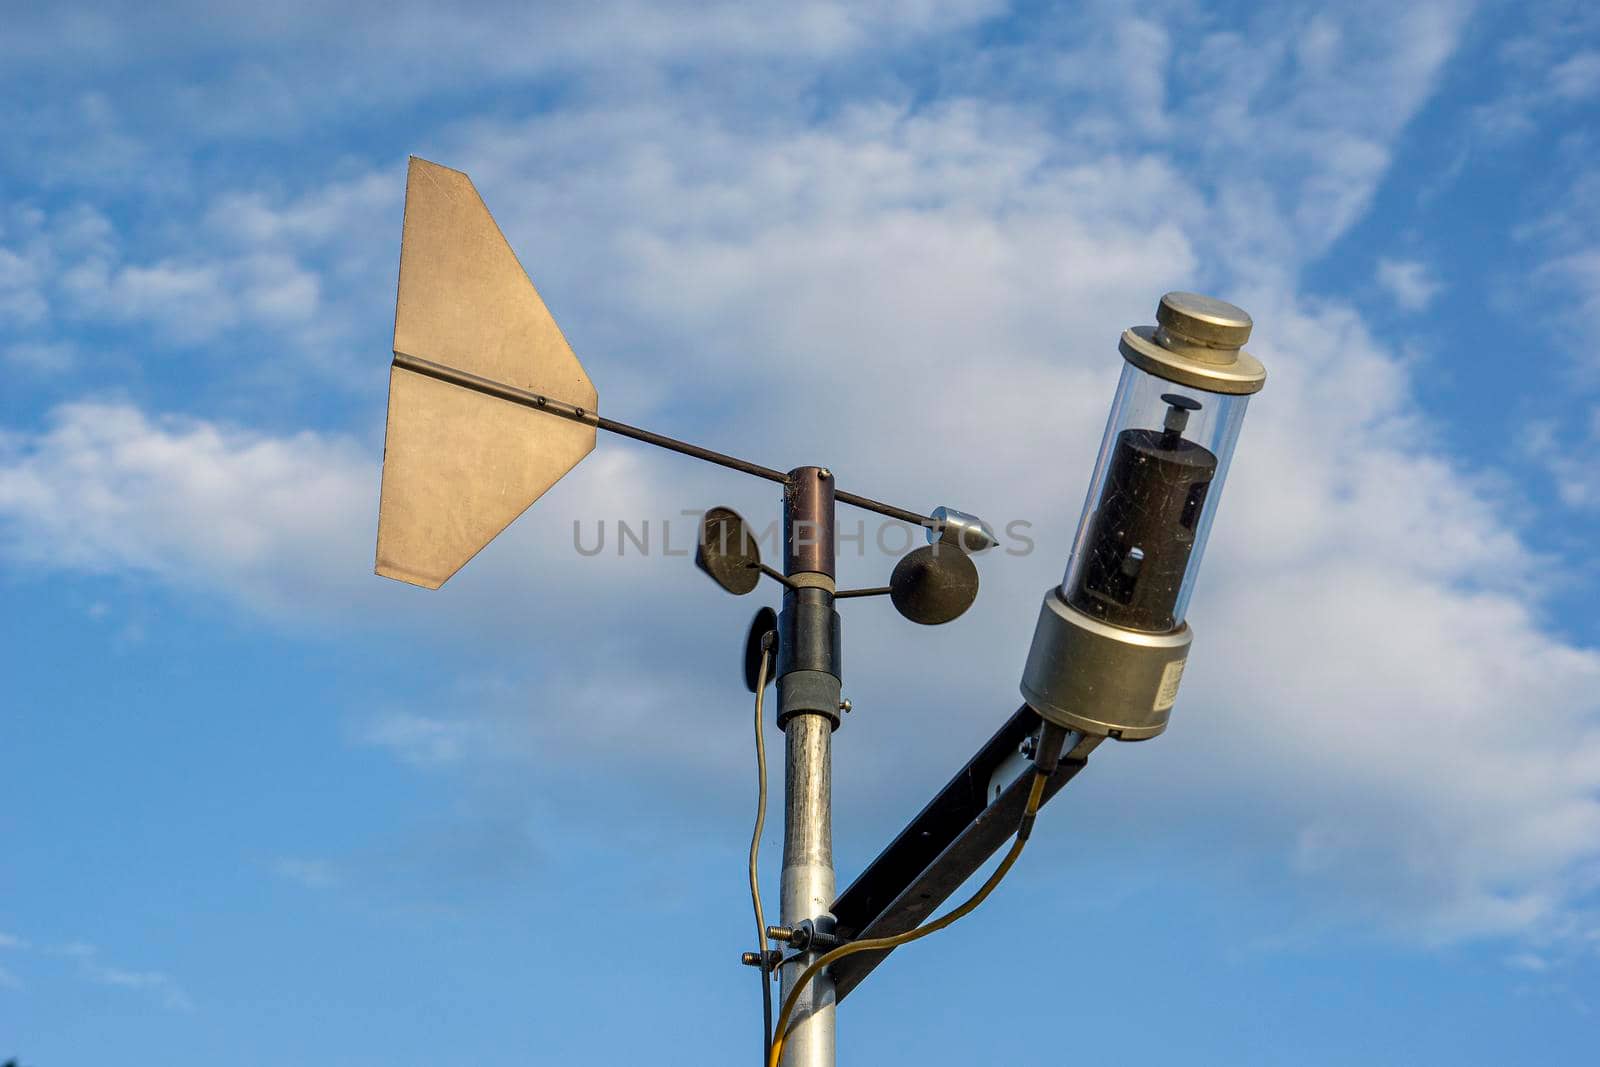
(752, 959)
(805, 936)
(941, 848)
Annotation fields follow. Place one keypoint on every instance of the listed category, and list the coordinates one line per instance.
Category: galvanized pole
(808, 713)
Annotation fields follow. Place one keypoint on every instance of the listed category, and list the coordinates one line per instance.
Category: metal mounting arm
(943, 846)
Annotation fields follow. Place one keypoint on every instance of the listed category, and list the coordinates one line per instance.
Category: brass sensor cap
(1203, 320)
(1196, 342)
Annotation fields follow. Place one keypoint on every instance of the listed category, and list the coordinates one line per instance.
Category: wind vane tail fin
(459, 466)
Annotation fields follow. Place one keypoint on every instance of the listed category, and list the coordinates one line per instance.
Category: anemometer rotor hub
(808, 542)
(809, 634)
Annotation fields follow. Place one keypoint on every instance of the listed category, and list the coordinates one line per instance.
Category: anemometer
(489, 407)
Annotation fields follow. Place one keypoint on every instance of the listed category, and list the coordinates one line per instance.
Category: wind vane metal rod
(551, 406)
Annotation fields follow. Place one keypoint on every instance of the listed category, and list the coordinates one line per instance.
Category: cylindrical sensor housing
(1154, 492)
(1111, 641)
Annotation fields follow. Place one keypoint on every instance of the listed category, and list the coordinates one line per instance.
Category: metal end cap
(1203, 320)
(1242, 375)
(967, 532)
(1196, 344)
(1087, 675)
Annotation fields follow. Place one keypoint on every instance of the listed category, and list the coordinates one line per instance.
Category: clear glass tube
(1151, 501)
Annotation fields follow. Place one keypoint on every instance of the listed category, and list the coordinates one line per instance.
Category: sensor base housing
(1088, 675)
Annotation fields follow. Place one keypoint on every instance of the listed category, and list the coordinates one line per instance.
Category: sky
(265, 806)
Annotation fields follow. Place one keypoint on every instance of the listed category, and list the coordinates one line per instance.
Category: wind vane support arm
(562, 409)
(475, 350)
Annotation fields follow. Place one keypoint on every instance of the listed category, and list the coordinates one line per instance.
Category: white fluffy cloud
(1551, 63)
(244, 272)
(106, 488)
(1408, 282)
(1373, 649)
(1566, 451)
(1374, 689)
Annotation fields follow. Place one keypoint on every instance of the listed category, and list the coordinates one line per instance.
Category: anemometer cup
(727, 551)
(934, 584)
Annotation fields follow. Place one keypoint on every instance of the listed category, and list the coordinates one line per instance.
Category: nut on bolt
(753, 959)
(800, 935)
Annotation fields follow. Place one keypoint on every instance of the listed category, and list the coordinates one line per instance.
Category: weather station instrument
(489, 407)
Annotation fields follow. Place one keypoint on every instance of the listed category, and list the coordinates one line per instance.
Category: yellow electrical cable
(875, 944)
(755, 854)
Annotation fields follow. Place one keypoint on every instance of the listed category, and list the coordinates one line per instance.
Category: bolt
(1030, 745)
(844, 706)
(824, 473)
(780, 933)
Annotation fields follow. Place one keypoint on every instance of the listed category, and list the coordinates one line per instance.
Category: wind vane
(489, 407)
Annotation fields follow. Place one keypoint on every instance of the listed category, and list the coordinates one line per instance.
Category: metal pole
(808, 713)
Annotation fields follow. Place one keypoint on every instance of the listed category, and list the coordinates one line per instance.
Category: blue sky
(264, 805)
